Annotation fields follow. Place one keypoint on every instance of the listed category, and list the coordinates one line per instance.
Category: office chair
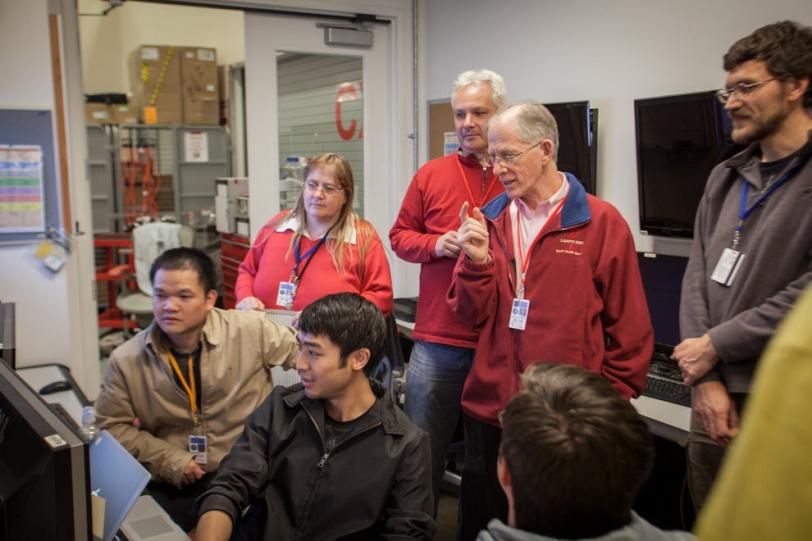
(149, 241)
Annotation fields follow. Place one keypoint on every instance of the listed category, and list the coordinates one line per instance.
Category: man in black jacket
(332, 457)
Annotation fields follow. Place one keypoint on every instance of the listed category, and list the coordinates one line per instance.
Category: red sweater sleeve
(472, 294)
(408, 235)
(625, 317)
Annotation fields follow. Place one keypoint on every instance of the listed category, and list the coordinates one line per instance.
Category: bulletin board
(441, 121)
(29, 193)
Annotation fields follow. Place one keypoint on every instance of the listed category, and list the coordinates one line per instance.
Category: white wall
(609, 52)
(55, 313)
(107, 41)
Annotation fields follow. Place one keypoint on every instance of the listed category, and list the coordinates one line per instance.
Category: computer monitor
(7, 336)
(662, 281)
(679, 141)
(577, 128)
(44, 468)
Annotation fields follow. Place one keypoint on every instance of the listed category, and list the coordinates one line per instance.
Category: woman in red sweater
(319, 247)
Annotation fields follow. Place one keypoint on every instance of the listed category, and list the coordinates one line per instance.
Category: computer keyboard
(664, 381)
(667, 390)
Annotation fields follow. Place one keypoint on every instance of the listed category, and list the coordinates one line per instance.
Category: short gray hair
(481, 77)
(533, 122)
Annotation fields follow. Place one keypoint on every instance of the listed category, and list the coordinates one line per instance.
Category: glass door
(305, 97)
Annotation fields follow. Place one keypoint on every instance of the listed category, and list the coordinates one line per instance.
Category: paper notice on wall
(196, 145)
(22, 205)
(450, 143)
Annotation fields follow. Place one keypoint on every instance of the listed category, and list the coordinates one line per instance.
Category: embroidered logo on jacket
(572, 246)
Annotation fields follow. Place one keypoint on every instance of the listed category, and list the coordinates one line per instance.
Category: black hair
(183, 259)
(350, 322)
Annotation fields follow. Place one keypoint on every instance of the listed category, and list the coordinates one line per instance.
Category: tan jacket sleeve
(279, 345)
(116, 414)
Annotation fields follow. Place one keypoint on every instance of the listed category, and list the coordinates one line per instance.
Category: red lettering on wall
(347, 92)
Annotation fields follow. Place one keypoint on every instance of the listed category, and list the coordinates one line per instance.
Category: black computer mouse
(55, 387)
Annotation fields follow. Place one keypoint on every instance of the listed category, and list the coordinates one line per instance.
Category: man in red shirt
(549, 275)
(425, 232)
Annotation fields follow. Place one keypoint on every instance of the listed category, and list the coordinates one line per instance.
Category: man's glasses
(328, 189)
(508, 158)
(740, 89)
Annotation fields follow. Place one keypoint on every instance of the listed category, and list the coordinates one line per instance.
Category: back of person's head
(577, 453)
(785, 47)
(532, 122)
(186, 259)
(350, 322)
(483, 77)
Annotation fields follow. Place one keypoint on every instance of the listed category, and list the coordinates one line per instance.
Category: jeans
(434, 383)
(481, 495)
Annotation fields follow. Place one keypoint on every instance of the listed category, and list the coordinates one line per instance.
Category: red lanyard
(524, 262)
(473, 200)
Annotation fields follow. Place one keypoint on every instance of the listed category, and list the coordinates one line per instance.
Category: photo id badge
(284, 297)
(518, 314)
(727, 267)
(199, 446)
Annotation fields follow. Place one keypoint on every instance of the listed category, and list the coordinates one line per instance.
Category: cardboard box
(124, 113)
(97, 114)
(199, 87)
(155, 80)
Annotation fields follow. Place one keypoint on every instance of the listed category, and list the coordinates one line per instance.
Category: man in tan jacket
(176, 395)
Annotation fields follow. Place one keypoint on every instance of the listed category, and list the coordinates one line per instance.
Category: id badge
(727, 267)
(285, 295)
(518, 314)
(199, 446)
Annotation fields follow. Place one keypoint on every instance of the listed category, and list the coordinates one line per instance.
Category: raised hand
(472, 236)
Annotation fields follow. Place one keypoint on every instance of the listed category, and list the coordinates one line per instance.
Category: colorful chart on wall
(22, 197)
(29, 192)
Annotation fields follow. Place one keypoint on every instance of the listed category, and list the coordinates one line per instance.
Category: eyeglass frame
(741, 89)
(494, 160)
(329, 189)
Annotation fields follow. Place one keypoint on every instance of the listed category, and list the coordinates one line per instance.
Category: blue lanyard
(745, 211)
(295, 274)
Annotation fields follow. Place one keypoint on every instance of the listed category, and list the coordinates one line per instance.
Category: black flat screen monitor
(577, 140)
(7, 336)
(662, 281)
(679, 140)
(44, 472)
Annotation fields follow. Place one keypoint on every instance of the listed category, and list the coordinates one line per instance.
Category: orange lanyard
(474, 201)
(190, 386)
(523, 262)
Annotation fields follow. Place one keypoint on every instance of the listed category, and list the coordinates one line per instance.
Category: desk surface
(39, 376)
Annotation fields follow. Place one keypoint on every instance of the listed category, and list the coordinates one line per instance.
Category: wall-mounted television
(577, 140)
(679, 140)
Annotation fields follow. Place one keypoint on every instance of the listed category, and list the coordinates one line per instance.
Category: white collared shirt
(532, 220)
(292, 223)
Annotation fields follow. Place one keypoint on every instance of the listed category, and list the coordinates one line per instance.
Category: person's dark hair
(350, 322)
(186, 259)
(786, 48)
(577, 453)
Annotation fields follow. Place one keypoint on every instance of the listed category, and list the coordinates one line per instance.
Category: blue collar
(574, 212)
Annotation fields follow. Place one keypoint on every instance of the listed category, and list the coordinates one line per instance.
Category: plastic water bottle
(89, 429)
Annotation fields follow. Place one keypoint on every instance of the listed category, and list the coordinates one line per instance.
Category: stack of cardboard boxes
(175, 84)
(169, 85)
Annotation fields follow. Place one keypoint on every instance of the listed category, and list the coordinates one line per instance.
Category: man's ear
(359, 358)
(796, 88)
(546, 151)
(211, 299)
(503, 474)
